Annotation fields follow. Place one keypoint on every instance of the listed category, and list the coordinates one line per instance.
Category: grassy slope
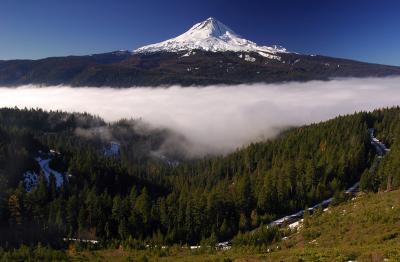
(364, 229)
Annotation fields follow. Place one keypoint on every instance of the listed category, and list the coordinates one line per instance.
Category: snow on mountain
(211, 35)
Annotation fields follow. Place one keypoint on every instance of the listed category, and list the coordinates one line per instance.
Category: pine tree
(15, 209)
(143, 205)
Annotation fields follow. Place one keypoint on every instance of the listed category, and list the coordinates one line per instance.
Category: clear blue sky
(358, 29)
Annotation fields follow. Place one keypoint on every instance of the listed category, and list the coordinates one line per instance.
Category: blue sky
(357, 29)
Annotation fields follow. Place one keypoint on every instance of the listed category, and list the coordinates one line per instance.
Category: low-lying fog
(217, 119)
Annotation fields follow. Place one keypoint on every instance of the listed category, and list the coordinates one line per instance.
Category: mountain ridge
(208, 53)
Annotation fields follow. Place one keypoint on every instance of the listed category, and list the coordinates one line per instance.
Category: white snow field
(211, 35)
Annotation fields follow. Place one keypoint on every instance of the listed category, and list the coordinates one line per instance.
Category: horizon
(310, 27)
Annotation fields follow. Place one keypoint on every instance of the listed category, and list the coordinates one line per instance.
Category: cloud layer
(217, 119)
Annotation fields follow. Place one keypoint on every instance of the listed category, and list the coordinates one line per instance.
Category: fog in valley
(216, 119)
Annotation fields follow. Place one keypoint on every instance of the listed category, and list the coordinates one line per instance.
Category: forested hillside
(134, 197)
(387, 175)
(125, 69)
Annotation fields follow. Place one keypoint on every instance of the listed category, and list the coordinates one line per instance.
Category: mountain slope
(366, 228)
(211, 35)
(208, 53)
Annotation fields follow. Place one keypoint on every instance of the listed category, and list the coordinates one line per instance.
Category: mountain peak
(214, 36)
(210, 27)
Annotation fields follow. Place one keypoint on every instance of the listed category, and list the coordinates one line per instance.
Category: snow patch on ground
(296, 224)
(92, 241)
(223, 245)
(270, 56)
(30, 180)
(47, 171)
(249, 58)
(112, 150)
(191, 52)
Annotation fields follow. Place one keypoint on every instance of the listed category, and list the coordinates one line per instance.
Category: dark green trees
(137, 196)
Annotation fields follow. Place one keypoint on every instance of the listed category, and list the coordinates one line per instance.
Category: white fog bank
(217, 119)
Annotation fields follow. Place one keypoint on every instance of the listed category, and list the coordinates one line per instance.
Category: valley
(241, 192)
(147, 131)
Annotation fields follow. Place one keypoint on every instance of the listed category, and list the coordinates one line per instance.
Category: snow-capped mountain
(208, 53)
(212, 35)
